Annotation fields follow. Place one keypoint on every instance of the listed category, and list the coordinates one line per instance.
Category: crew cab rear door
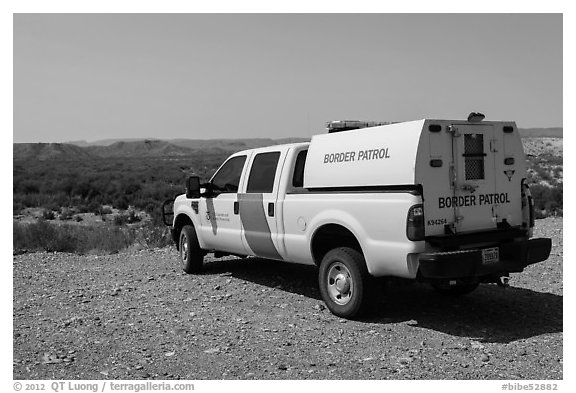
(473, 177)
(258, 203)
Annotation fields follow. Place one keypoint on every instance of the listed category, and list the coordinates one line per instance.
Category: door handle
(271, 209)
(236, 207)
(469, 187)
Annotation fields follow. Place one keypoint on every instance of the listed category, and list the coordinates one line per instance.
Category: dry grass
(45, 236)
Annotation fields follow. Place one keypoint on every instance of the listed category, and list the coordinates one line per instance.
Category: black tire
(345, 285)
(455, 290)
(191, 255)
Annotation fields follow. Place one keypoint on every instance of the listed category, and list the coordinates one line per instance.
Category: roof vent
(347, 125)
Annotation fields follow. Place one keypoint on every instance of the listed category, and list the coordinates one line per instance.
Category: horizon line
(119, 139)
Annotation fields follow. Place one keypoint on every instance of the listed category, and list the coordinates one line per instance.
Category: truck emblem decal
(256, 229)
(509, 173)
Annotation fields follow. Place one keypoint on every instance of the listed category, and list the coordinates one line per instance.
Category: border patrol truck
(438, 201)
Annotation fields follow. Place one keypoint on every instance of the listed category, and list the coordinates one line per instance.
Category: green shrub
(120, 219)
(48, 214)
(17, 207)
(547, 200)
(93, 207)
(539, 214)
(132, 217)
(66, 214)
(52, 205)
(121, 203)
(28, 187)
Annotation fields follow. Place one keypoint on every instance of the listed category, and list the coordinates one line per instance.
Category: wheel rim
(339, 283)
(184, 249)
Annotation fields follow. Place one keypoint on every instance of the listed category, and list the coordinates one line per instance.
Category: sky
(202, 76)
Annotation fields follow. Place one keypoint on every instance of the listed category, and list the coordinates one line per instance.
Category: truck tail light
(531, 206)
(415, 223)
(527, 201)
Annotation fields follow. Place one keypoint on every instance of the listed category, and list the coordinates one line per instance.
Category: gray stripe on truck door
(255, 223)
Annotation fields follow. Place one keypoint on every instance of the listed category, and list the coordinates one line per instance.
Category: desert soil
(138, 316)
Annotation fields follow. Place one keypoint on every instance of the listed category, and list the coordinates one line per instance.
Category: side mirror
(193, 187)
(208, 190)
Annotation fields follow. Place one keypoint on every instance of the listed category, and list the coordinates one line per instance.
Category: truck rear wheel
(345, 285)
(191, 255)
(455, 290)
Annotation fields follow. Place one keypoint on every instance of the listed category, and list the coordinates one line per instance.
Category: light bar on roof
(346, 125)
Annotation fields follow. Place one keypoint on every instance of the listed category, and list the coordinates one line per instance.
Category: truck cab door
(473, 177)
(258, 205)
(220, 222)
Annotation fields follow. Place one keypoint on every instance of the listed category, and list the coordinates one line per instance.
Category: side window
(227, 178)
(262, 173)
(298, 178)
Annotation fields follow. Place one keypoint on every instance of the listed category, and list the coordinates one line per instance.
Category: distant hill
(200, 144)
(108, 142)
(143, 148)
(251, 143)
(49, 151)
(232, 145)
(554, 132)
(139, 148)
(133, 148)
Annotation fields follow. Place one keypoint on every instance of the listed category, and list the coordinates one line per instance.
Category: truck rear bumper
(514, 257)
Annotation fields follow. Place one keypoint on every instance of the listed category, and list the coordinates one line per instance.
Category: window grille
(474, 156)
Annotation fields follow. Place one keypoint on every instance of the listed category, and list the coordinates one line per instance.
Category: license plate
(490, 255)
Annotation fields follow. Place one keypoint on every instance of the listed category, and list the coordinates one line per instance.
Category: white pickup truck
(437, 201)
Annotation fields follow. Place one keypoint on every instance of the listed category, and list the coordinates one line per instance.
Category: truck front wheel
(191, 255)
(345, 285)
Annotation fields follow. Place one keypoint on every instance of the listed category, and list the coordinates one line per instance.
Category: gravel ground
(137, 316)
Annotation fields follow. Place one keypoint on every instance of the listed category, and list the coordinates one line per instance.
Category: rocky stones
(164, 325)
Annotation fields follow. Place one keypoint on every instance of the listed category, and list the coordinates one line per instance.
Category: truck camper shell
(469, 174)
